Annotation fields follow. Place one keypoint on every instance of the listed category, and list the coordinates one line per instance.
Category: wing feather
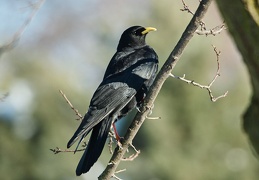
(108, 98)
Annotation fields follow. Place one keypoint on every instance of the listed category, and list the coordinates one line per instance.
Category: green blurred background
(68, 46)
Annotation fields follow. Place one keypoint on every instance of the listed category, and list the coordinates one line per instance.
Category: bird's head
(134, 37)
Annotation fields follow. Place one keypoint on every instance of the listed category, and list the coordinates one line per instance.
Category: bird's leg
(116, 132)
(118, 138)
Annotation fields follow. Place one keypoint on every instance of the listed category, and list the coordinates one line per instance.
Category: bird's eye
(135, 33)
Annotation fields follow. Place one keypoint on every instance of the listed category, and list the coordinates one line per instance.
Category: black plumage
(126, 81)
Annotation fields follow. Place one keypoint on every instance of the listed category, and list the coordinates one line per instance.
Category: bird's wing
(141, 72)
(146, 69)
(108, 98)
(114, 93)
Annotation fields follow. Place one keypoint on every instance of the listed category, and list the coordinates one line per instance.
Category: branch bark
(242, 19)
(163, 74)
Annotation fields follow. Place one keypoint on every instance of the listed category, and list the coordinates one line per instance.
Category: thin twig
(117, 172)
(116, 177)
(17, 36)
(153, 118)
(186, 8)
(207, 87)
(133, 156)
(203, 30)
(58, 150)
(150, 112)
(214, 31)
(71, 105)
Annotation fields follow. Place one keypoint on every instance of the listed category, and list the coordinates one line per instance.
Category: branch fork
(207, 87)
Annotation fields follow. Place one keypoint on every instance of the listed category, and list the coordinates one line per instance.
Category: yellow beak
(148, 29)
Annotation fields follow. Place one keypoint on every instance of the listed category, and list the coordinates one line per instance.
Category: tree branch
(17, 36)
(214, 31)
(207, 87)
(80, 117)
(58, 150)
(163, 74)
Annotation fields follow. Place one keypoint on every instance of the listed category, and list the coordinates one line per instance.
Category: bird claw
(149, 108)
(149, 113)
(119, 144)
(138, 109)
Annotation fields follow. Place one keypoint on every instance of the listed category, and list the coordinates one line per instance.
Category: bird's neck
(129, 48)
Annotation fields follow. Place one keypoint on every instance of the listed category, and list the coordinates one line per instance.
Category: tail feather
(81, 132)
(75, 138)
(85, 127)
(81, 139)
(95, 146)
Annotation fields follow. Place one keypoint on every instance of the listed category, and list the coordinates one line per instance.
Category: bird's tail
(95, 146)
(81, 132)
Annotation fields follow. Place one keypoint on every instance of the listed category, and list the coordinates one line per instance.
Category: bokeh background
(68, 45)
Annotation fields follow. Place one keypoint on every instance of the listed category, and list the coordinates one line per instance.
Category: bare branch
(207, 87)
(58, 150)
(71, 105)
(130, 158)
(153, 118)
(214, 31)
(203, 30)
(119, 171)
(186, 8)
(116, 177)
(133, 156)
(17, 36)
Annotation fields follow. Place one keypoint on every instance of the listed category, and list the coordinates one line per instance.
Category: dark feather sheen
(126, 81)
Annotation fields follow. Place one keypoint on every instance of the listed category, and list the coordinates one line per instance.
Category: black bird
(126, 81)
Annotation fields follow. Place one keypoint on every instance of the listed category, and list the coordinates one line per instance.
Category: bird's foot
(138, 109)
(119, 144)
